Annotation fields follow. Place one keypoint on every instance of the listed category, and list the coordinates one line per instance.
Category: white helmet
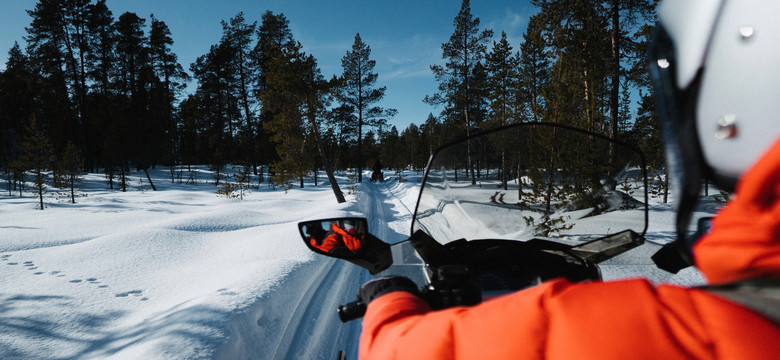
(716, 70)
(716, 66)
(726, 55)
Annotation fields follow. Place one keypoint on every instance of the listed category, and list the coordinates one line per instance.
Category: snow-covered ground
(181, 273)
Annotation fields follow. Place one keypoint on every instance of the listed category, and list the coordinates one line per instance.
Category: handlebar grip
(351, 311)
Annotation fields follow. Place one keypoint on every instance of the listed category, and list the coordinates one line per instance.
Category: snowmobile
(377, 175)
(506, 210)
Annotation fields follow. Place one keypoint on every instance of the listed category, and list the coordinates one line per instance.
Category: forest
(88, 91)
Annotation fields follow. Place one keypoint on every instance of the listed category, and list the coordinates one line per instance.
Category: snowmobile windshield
(533, 180)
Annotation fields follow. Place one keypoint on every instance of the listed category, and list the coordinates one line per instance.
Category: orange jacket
(337, 236)
(350, 240)
(629, 319)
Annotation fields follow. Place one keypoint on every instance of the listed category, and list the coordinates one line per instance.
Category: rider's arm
(560, 320)
(328, 243)
(350, 241)
(745, 239)
(400, 325)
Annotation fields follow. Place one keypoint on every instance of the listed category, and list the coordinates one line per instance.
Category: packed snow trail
(269, 330)
(180, 273)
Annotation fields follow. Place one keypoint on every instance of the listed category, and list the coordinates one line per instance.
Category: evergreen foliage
(358, 93)
(37, 155)
(459, 77)
(112, 90)
(69, 168)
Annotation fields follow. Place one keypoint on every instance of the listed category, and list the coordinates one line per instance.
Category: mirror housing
(347, 238)
(342, 238)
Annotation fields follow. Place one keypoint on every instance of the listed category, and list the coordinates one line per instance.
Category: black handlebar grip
(352, 311)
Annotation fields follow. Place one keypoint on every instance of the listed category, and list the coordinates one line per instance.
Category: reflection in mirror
(342, 238)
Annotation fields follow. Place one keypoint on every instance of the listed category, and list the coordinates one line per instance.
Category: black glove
(384, 285)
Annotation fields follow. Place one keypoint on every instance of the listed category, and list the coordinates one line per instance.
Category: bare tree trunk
(469, 162)
(150, 180)
(328, 169)
(666, 185)
(39, 185)
(614, 98)
(503, 170)
(72, 191)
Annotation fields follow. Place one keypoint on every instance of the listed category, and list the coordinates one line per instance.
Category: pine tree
(357, 89)
(16, 90)
(576, 32)
(37, 155)
(168, 81)
(283, 93)
(135, 125)
(465, 49)
(298, 92)
(47, 54)
(213, 106)
(17, 104)
(431, 130)
(237, 37)
(75, 15)
(273, 35)
(102, 38)
(623, 15)
(534, 71)
(343, 123)
(503, 73)
(70, 167)
(102, 117)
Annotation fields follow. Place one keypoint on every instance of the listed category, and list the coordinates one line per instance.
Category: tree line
(109, 91)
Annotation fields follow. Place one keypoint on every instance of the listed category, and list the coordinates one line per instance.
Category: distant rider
(376, 166)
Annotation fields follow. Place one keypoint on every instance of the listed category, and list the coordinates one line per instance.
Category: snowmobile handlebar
(352, 311)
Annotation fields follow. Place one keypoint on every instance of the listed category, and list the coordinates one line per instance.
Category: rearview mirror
(347, 238)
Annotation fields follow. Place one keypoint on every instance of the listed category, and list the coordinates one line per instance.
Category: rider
(342, 234)
(376, 166)
(714, 65)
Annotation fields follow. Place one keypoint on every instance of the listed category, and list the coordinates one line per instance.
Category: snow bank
(180, 273)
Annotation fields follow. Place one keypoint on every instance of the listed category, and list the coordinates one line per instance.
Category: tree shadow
(32, 331)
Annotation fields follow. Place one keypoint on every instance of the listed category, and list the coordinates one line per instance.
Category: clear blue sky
(405, 36)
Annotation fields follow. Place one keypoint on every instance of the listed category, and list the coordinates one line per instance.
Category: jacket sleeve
(558, 320)
(745, 242)
(400, 325)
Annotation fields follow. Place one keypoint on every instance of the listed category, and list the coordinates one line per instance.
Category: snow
(181, 273)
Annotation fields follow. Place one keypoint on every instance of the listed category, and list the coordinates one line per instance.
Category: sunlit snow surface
(180, 273)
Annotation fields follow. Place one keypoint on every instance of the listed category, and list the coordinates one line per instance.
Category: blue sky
(405, 36)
